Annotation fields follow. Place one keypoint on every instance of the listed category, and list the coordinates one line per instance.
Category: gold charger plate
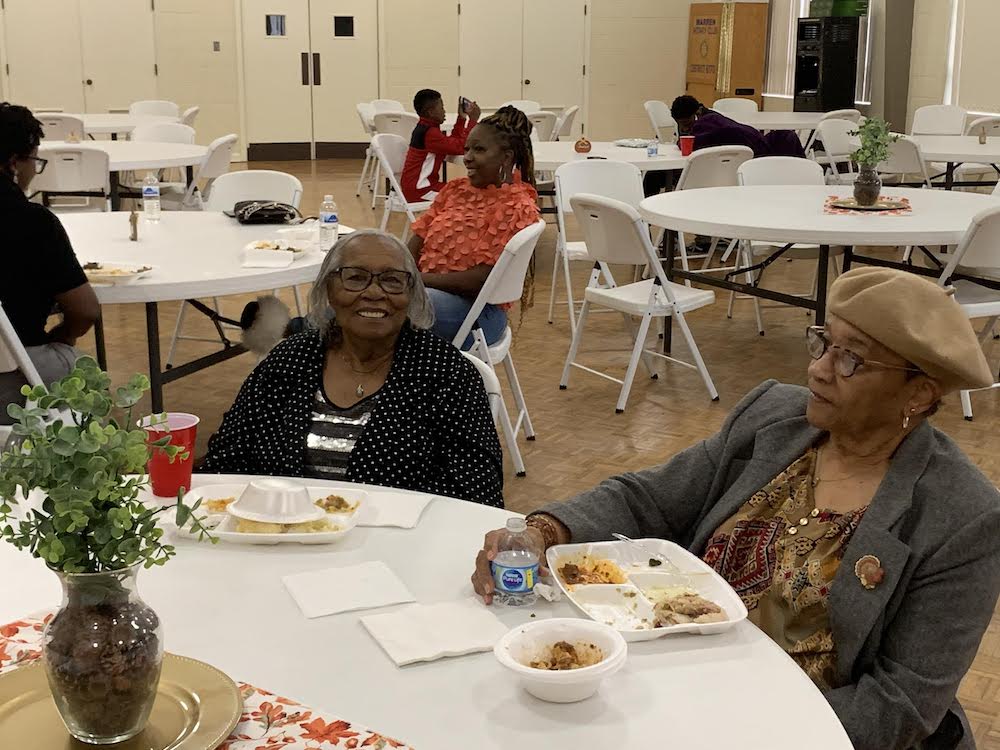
(196, 708)
(880, 205)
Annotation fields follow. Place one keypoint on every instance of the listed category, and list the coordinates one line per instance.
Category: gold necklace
(360, 390)
(816, 479)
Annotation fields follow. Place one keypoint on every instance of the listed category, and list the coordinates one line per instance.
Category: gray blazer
(934, 523)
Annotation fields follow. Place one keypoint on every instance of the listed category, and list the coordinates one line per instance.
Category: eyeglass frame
(857, 360)
(40, 163)
(373, 277)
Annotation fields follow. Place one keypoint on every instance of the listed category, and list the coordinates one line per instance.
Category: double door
(306, 65)
(79, 55)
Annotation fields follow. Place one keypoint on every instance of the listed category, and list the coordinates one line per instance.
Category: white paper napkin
(393, 509)
(425, 632)
(332, 590)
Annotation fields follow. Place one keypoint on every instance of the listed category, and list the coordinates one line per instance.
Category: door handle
(90, 81)
(316, 76)
(527, 81)
(305, 68)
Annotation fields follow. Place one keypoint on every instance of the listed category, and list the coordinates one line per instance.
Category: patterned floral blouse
(781, 553)
(468, 226)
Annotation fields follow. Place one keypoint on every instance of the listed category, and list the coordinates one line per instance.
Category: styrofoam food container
(526, 642)
(276, 501)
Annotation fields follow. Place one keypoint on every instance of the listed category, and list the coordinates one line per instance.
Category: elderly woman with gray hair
(368, 394)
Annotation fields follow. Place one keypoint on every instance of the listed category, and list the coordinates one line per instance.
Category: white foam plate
(116, 273)
(634, 142)
(628, 607)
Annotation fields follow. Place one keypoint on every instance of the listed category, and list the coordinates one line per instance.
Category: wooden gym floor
(580, 438)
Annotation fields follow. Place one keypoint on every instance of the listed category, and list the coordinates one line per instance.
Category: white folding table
(115, 124)
(550, 155)
(955, 150)
(779, 120)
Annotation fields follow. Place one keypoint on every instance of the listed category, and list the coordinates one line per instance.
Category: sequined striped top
(333, 433)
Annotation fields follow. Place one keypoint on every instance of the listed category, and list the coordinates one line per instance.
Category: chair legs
(699, 362)
(555, 277)
(364, 170)
(633, 363)
(177, 333)
(574, 346)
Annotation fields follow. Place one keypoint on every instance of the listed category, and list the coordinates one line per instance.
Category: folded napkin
(393, 509)
(332, 590)
(425, 632)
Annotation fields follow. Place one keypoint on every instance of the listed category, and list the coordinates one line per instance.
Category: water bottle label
(515, 580)
(151, 191)
(652, 149)
(328, 218)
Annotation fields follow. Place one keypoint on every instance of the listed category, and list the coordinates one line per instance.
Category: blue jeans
(450, 312)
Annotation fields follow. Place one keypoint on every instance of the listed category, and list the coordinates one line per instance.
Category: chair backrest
(214, 164)
(990, 124)
(13, 355)
(735, 106)
(56, 127)
(390, 150)
(664, 125)
(565, 122)
(838, 143)
(39, 110)
(163, 132)
(385, 105)
(525, 105)
(490, 382)
(543, 125)
(979, 251)
(853, 115)
(190, 115)
(905, 158)
(396, 123)
(74, 169)
(366, 113)
(253, 184)
(155, 107)
(506, 281)
(939, 119)
(612, 179)
(780, 170)
(713, 167)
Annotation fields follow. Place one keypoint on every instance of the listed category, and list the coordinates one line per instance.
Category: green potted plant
(84, 517)
(875, 141)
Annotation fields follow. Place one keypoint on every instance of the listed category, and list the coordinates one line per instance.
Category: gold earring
(906, 421)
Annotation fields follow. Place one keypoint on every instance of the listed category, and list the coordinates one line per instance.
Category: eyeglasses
(40, 163)
(358, 279)
(845, 361)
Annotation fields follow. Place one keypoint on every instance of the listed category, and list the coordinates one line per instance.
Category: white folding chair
(988, 126)
(525, 105)
(939, 119)
(391, 123)
(735, 106)
(505, 284)
(543, 125)
(615, 233)
(155, 107)
(390, 151)
(905, 158)
(779, 170)
(711, 167)
(853, 115)
(189, 116)
(366, 114)
(838, 146)
(664, 125)
(163, 132)
(213, 165)
(491, 383)
(13, 356)
(606, 177)
(977, 255)
(386, 105)
(227, 190)
(564, 125)
(74, 170)
(58, 127)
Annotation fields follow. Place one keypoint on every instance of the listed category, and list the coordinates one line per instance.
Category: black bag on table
(265, 212)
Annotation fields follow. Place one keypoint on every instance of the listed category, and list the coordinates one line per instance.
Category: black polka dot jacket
(430, 431)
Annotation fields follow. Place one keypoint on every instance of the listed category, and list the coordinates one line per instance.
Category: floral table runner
(268, 722)
(829, 208)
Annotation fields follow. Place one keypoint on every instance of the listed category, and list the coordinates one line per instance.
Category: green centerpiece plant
(71, 486)
(876, 141)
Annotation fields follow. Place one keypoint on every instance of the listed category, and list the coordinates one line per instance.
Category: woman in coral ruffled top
(460, 238)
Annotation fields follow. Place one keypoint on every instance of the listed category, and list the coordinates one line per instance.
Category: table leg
(99, 345)
(821, 279)
(155, 369)
(848, 258)
(670, 240)
(114, 136)
(949, 176)
(116, 198)
(189, 171)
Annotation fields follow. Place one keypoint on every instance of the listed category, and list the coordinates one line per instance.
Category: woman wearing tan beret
(861, 539)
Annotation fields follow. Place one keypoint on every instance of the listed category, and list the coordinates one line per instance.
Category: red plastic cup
(168, 477)
(687, 145)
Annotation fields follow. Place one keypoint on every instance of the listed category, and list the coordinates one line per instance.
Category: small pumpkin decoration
(583, 145)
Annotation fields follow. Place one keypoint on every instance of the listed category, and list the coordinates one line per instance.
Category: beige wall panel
(408, 62)
(490, 43)
(929, 55)
(554, 38)
(977, 89)
(118, 53)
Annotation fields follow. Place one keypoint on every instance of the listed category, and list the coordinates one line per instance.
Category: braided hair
(514, 129)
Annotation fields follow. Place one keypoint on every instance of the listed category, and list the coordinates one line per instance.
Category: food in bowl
(217, 505)
(679, 605)
(562, 655)
(243, 526)
(336, 504)
(101, 270)
(591, 570)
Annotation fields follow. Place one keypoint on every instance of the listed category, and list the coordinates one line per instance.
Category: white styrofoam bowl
(525, 642)
(276, 501)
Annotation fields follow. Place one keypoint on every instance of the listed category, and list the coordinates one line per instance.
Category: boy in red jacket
(429, 146)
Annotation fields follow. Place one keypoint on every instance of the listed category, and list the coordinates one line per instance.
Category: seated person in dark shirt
(40, 268)
(430, 146)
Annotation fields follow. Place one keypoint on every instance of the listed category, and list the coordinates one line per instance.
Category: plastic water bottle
(515, 568)
(329, 223)
(151, 198)
(653, 148)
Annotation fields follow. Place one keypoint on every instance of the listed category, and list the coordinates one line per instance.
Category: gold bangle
(546, 525)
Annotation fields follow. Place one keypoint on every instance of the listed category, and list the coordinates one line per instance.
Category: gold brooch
(869, 571)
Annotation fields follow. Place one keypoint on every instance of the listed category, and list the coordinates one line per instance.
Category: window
(343, 25)
(274, 24)
(783, 24)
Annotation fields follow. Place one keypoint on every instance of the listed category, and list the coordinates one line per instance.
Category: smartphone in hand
(465, 104)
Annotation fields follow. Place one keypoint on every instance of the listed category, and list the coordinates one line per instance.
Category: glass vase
(867, 186)
(103, 650)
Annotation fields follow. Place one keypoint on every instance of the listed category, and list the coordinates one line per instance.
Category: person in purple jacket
(711, 128)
